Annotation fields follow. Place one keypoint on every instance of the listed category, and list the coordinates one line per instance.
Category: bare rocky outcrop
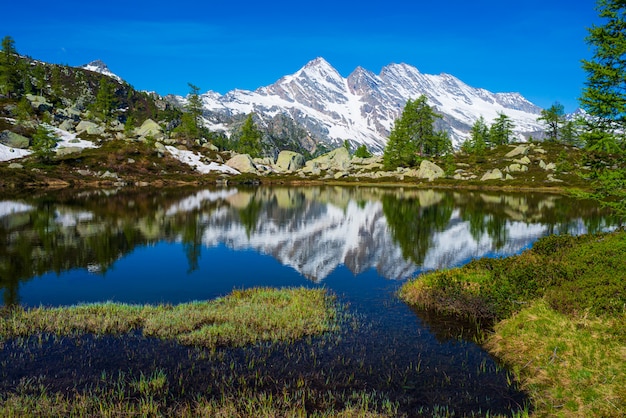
(150, 128)
(242, 163)
(90, 128)
(13, 140)
(429, 170)
(494, 174)
(289, 161)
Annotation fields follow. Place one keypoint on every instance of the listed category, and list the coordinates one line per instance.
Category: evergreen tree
(554, 118)
(55, 81)
(346, 145)
(39, 78)
(604, 95)
(250, 139)
(413, 135)
(24, 111)
(501, 130)
(105, 100)
(44, 142)
(569, 133)
(129, 125)
(441, 145)
(362, 152)
(479, 137)
(9, 76)
(191, 126)
(194, 107)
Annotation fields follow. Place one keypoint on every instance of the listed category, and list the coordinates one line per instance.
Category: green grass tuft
(241, 318)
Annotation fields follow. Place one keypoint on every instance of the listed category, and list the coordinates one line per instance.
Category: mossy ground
(560, 318)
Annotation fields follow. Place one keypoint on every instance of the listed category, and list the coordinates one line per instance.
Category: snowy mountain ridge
(363, 107)
(98, 66)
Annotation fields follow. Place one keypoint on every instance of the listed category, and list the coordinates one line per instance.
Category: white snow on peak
(98, 66)
(363, 107)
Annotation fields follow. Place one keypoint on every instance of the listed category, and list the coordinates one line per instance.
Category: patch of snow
(68, 139)
(8, 153)
(194, 160)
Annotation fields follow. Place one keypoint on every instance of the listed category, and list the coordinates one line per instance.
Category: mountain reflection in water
(314, 230)
(173, 246)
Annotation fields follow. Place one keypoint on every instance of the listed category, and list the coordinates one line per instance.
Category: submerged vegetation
(560, 317)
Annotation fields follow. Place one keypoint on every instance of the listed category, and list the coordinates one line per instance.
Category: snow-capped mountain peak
(363, 107)
(98, 66)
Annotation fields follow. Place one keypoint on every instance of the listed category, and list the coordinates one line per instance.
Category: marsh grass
(241, 318)
(560, 309)
(33, 399)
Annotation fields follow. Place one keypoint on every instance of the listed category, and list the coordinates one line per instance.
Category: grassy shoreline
(560, 318)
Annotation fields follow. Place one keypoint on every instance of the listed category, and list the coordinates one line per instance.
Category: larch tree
(604, 95)
(44, 142)
(9, 76)
(413, 135)
(250, 139)
(501, 130)
(191, 120)
(476, 144)
(105, 100)
(554, 119)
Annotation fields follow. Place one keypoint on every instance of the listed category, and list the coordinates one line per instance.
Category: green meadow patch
(241, 318)
(560, 318)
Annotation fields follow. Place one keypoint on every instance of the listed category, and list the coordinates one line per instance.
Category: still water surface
(360, 243)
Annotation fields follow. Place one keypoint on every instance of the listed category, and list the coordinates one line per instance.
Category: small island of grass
(241, 318)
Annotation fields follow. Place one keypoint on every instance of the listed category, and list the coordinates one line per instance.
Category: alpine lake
(154, 246)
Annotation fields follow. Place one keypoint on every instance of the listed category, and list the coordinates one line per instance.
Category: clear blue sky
(533, 46)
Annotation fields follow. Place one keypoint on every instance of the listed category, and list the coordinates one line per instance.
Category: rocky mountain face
(363, 107)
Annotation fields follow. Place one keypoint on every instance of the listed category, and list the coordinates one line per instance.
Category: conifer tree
(194, 107)
(44, 142)
(476, 144)
(604, 95)
(9, 76)
(554, 118)
(362, 152)
(250, 139)
(105, 99)
(413, 135)
(501, 130)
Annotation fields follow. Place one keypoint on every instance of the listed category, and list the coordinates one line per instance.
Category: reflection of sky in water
(160, 274)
